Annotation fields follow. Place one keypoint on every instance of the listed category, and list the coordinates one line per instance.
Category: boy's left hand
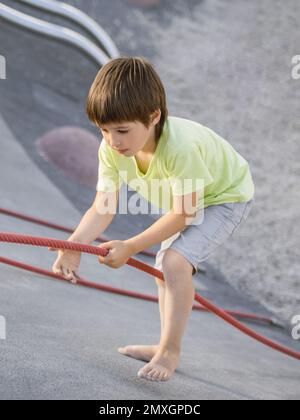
(119, 253)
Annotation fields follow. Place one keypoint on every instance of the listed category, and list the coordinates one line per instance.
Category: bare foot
(161, 367)
(139, 352)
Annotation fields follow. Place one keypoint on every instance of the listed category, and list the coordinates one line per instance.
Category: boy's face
(129, 138)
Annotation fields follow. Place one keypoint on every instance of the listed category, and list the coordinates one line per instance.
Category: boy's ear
(156, 116)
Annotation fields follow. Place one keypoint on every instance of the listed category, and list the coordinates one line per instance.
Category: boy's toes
(164, 376)
(150, 374)
(155, 375)
(144, 371)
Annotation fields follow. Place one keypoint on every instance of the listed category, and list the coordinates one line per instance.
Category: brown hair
(127, 89)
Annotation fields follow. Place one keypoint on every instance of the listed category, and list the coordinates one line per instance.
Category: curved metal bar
(80, 18)
(54, 31)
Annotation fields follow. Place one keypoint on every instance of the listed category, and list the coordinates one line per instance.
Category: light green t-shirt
(189, 157)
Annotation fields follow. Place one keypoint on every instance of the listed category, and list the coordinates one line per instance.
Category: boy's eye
(119, 131)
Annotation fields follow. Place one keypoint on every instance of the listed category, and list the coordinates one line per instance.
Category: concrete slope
(62, 339)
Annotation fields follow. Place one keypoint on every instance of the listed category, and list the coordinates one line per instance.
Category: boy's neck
(149, 147)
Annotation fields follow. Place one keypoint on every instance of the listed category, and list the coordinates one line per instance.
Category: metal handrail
(54, 31)
(80, 18)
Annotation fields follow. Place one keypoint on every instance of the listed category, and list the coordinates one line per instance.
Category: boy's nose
(112, 140)
(116, 146)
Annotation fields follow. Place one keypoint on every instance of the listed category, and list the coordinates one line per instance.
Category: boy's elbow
(186, 205)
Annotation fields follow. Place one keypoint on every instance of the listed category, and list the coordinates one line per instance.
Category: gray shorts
(200, 239)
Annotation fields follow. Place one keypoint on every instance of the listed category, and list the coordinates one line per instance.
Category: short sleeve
(108, 174)
(188, 171)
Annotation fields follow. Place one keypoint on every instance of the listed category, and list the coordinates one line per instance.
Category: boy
(143, 145)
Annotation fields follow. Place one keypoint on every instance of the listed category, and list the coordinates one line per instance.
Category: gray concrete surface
(51, 324)
(227, 64)
(62, 339)
(224, 64)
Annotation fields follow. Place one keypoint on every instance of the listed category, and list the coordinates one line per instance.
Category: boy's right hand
(67, 264)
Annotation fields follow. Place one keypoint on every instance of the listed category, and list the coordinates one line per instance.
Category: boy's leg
(147, 351)
(161, 285)
(179, 296)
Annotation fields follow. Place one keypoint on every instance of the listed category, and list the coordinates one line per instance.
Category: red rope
(43, 222)
(61, 244)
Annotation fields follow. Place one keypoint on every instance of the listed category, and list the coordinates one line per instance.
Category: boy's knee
(174, 264)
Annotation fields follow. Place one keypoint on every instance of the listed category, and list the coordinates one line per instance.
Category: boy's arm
(174, 221)
(96, 219)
